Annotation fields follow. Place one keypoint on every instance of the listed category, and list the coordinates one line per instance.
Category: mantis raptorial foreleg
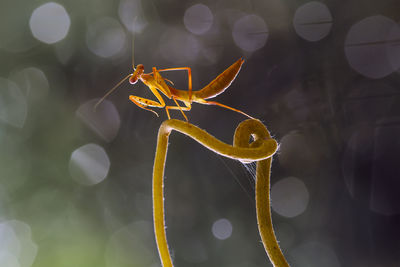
(144, 102)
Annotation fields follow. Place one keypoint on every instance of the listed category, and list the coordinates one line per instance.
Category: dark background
(326, 86)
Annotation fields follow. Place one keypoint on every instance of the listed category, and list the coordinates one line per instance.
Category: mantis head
(136, 74)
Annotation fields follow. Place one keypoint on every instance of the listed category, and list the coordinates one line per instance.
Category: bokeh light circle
(9, 240)
(178, 46)
(32, 82)
(13, 106)
(8, 259)
(198, 19)
(131, 245)
(50, 23)
(104, 121)
(222, 229)
(132, 15)
(16, 246)
(374, 147)
(371, 46)
(250, 33)
(89, 164)
(312, 21)
(289, 197)
(314, 254)
(301, 151)
(105, 37)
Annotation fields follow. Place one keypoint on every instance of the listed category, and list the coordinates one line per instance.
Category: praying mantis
(156, 83)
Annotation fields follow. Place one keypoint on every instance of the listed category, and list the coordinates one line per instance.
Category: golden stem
(261, 149)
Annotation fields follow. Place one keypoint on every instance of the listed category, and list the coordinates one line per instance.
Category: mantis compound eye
(133, 79)
(136, 74)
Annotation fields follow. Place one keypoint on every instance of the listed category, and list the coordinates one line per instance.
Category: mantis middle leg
(187, 108)
(189, 71)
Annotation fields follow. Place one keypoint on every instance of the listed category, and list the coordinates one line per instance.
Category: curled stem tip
(261, 150)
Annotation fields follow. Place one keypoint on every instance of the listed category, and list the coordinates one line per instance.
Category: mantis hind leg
(225, 106)
(187, 108)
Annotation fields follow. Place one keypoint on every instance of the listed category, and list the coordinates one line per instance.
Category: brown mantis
(156, 83)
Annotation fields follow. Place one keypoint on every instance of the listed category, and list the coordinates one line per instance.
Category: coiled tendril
(261, 150)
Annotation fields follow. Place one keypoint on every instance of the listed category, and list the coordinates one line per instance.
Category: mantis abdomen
(220, 83)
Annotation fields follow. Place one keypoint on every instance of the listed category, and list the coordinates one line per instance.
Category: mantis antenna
(133, 66)
(111, 90)
(133, 41)
(133, 48)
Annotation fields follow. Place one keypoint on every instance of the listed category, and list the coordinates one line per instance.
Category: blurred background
(75, 185)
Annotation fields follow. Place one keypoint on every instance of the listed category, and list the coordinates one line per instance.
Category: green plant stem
(264, 219)
(261, 149)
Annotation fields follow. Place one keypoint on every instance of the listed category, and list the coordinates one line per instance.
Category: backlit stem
(261, 150)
